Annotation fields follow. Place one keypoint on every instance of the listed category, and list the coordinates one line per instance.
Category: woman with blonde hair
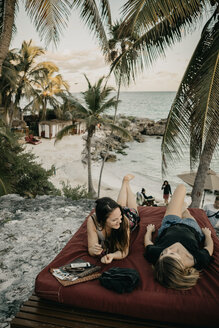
(176, 254)
(109, 227)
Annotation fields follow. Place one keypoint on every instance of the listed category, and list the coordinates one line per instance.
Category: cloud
(77, 61)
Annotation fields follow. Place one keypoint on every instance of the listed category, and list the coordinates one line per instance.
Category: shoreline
(65, 155)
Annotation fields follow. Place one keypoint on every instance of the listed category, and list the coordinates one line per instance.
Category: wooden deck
(40, 313)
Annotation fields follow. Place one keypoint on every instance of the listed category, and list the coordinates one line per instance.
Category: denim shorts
(170, 220)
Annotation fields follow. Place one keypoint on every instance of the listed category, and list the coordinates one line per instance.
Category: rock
(110, 157)
(33, 232)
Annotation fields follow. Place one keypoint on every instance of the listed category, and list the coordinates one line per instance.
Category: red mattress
(198, 306)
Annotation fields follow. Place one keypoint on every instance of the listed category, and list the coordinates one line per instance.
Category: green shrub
(75, 193)
(19, 173)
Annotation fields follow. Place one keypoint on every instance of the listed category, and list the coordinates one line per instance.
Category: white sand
(66, 156)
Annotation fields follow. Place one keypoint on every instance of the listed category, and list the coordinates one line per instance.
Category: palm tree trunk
(90, 182)
(114, 119)
(5, 37)
(204, 164)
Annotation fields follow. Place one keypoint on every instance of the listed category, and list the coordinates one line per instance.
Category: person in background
(177, 254)
(108, 229)
(212, 212)
(166, 191)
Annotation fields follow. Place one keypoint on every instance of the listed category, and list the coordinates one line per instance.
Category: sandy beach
(65, 155)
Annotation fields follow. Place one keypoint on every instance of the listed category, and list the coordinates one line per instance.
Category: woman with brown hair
(109, 228)
(176, 254)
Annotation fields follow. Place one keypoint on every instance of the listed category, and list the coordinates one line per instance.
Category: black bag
(121, 280)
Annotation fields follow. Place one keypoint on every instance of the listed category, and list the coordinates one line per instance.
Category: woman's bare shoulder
(90, 222)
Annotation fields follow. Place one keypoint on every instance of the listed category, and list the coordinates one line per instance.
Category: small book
(76, 271)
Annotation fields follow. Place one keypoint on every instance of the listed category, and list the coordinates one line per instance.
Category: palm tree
(21, 76)
(48, 88)
(119, 44)
(159, 27)
(96, 102)
(194, 116)
(50, 18)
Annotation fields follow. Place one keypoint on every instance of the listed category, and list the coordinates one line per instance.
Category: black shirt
(183, 234)
(166, 189)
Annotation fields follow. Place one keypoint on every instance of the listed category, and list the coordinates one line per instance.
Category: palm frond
(148, 46)
(196, 104)
(90, 14)
(145, 15)
(50, 17)
(64, 132)
(112, 102)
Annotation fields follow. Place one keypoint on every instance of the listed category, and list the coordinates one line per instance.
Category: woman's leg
(186, 214)
(126, 196)
(176, 204)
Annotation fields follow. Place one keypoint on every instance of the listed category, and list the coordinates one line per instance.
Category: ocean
(144, 159)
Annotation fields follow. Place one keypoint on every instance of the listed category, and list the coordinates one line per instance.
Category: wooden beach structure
(49, 129)
(40, 313)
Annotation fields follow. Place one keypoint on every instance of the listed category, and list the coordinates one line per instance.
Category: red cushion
(198, 306)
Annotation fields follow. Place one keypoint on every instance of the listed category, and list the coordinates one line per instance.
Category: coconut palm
(21, 75)
(96, 102)
(194, 116)
(50, 18)
(48, 89)
(160, 26)
(119, 44)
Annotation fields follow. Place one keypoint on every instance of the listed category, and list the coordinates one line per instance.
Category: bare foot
(128, 177)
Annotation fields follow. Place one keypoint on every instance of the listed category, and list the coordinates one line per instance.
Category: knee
(181, 187)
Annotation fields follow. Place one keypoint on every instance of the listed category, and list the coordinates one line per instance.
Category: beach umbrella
(211, 181)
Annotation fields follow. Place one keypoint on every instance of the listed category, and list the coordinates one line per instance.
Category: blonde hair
(171, 273)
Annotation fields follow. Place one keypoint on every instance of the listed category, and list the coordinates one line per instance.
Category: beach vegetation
(97, 99)
(19, 172)
(75, 193)
(194, 113)
(193, 120)
(50, 18)
(119, 44)
(23, 78)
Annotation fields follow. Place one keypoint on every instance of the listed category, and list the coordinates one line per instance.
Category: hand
(107, 258)
(206, 231)
(97, 249)
(150, 227)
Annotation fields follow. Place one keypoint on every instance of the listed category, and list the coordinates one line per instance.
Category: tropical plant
(194, 116)
(48, 89)
(119, 44)
(75, 193)
(159, 27)
(50, 18)
(96, 102)
(19, 173)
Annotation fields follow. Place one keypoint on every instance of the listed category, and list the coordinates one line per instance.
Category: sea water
(144, 159)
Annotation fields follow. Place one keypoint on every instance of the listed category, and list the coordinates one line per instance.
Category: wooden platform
(40, 313)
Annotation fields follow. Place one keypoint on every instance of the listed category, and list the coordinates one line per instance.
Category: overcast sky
(78, 53)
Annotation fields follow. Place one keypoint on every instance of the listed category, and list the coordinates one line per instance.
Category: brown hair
(171, 273)
(118, 238)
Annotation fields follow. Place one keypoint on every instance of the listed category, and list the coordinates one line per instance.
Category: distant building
(49, 129)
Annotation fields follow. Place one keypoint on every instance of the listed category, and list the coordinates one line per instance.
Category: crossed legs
(126, 196)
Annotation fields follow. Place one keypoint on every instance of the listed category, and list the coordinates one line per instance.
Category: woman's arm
(148, 235)
(94, 248)
(209, 244)
(117, 255)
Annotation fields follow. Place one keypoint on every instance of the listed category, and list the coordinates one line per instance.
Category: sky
(78, 54)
